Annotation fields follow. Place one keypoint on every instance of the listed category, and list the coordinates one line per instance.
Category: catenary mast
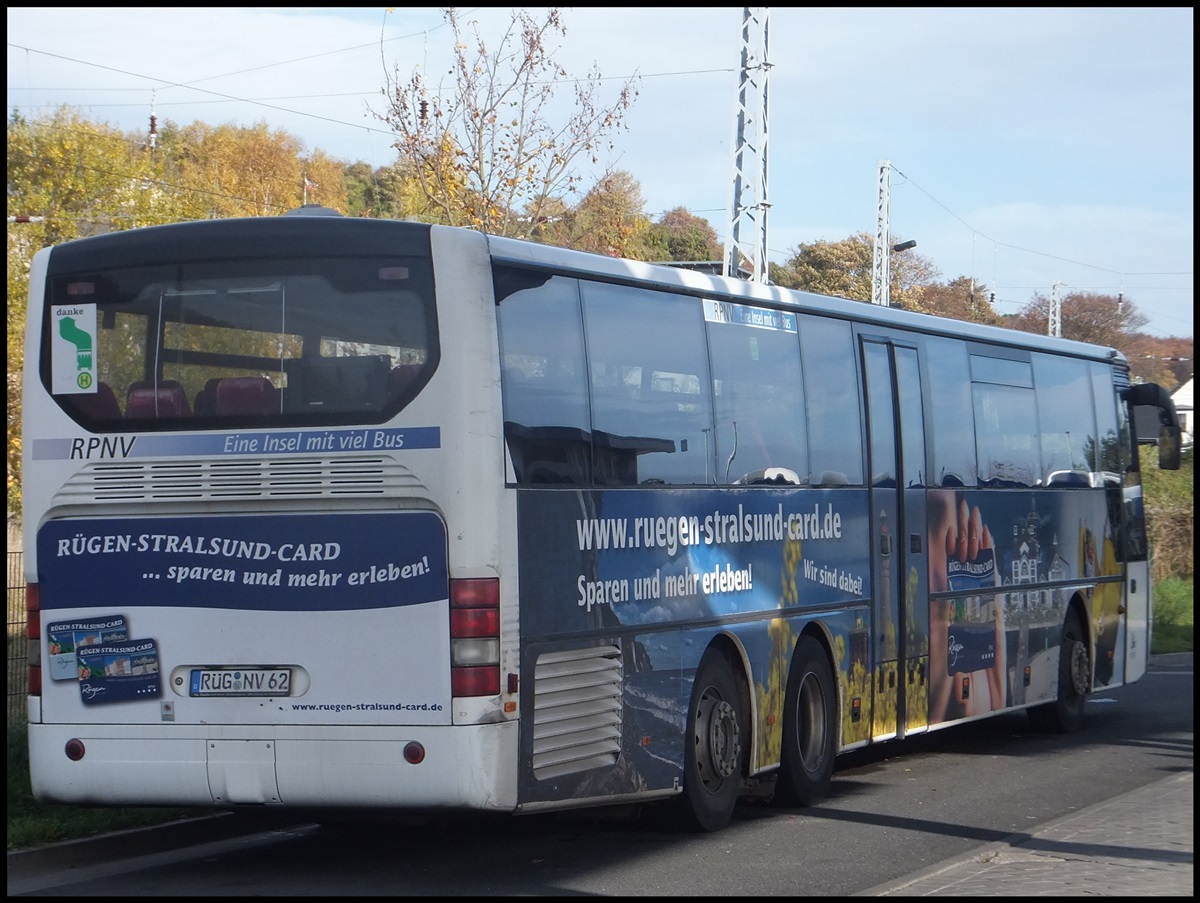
(746, 237)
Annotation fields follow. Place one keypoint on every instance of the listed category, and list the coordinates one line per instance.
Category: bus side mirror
(1169, 442)
(1156, 422)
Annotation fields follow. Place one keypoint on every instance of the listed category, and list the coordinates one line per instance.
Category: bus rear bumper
(467, 768)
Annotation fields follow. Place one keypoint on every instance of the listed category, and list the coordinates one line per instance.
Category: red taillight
(476, 680)
(475, 592)
(475, 636)
(474, 622)
(33, 638)
(33, 607)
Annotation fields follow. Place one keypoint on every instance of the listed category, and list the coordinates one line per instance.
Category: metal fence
(18, 672)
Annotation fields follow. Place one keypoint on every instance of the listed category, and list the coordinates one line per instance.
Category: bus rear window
(282, 342)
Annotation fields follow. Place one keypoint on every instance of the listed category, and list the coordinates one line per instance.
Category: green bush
(1173, 611)
(1170, 514)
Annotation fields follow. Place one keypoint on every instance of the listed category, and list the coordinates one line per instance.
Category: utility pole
(152, 134)
(881, 275)
(746, 237)
(1054, 321)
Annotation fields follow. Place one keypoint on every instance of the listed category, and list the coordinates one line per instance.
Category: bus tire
(714, 752)
(809, 728)
(1065, 714)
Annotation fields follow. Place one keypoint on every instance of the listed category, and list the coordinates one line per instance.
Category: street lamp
(886, 270)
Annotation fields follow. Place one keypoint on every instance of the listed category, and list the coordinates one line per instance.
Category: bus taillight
(475, 636)
(33, 637)
(474, 622)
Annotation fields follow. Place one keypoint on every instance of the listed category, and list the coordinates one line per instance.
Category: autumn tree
(1085, 317)
(960, 299)
(252, 171)
(484, 150)
(68, 177)
(1179, 355)
(1167, 362)
(383, 193)
(608, 220)
(846, 269)
(685, 236)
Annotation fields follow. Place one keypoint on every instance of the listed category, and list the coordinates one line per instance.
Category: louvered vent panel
(576, 710)
(216, 480)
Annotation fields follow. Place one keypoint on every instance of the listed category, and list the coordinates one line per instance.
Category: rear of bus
(261, 489)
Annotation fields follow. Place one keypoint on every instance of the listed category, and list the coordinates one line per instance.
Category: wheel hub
(724, 741)
(1078, 664)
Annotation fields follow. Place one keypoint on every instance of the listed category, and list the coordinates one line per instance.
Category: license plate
(241, 682)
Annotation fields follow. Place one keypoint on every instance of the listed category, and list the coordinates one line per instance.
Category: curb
(103, 848)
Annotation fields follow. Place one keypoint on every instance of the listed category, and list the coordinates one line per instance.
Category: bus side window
(651, 388)
(832, 401)
(1070, 450)
(543, 379)
(950, 420)
(758, 398)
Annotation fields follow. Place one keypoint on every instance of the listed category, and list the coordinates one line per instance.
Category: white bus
(335, 513)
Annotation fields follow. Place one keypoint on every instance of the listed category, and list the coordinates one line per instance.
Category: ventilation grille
(576, 711)
(215, 480)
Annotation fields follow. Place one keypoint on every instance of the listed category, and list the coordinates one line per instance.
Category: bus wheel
(1065, 714)
(809, 728)
(713, 754)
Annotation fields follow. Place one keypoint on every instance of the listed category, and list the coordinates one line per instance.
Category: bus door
(896, 444)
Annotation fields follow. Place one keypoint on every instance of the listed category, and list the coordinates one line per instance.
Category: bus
(337, 514)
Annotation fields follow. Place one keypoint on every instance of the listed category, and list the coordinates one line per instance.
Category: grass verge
(32, 824)
(1174, 601)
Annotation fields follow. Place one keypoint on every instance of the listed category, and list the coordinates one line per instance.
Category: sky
(1026, 148)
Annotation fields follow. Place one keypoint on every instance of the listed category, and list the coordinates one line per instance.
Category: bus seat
(166, 401)
(401, 377)
(100, 405)
(205, 404)
(165, 384)
(246, 396)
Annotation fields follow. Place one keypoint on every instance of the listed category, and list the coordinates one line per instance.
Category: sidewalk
(1138, 844)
